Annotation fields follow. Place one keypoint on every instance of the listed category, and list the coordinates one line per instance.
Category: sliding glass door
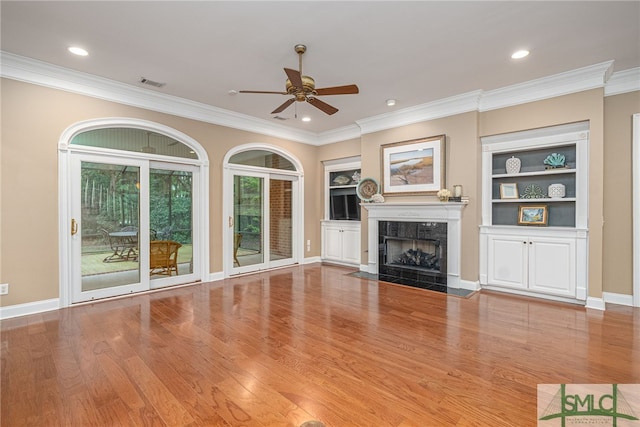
(105, 227)
(171, 224)
(261, 222)
(132, 225)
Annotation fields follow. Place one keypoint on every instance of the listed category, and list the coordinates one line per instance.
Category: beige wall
(617, 239)
(587, 105)
(33, 118)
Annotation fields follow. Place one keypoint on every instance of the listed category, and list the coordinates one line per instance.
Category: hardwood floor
(306, 343)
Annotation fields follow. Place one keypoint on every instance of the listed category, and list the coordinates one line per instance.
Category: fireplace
(429, 232)
(413, 253)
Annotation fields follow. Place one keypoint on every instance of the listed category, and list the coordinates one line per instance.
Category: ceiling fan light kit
(303, 88)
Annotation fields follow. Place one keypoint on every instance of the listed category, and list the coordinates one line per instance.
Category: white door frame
(64, 188)
(635, 188)
(297, 216)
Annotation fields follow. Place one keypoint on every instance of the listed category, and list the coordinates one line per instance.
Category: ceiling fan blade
(294, 77)
(321, 105)
(283, 106)
(338, 90)
(261, 91)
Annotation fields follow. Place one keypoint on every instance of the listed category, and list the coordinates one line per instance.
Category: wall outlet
(308, 245)
(4, 289)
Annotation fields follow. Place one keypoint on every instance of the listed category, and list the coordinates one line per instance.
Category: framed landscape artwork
(413, 167)
(533, 215)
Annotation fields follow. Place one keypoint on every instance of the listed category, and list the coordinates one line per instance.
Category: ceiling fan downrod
(300, 49)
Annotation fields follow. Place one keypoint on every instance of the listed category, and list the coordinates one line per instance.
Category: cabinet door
(351, 245)
(552, 266)
(507, 259)
(333, 243)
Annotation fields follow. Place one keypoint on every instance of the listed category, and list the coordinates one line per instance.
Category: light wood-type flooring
(305, 343)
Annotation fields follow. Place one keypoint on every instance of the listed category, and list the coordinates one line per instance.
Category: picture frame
(509, 191)
(413, 167)
(533, 215)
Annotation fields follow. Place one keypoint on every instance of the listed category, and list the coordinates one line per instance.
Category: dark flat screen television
(344, 204)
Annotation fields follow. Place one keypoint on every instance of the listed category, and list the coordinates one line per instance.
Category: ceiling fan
(303, 88)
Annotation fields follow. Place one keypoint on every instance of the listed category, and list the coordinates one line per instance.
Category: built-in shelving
(547, 259)
(341, 227)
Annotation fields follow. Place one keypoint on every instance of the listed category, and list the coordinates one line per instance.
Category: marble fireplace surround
(449, 212)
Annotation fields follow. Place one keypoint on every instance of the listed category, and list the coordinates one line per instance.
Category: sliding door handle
(74, 226)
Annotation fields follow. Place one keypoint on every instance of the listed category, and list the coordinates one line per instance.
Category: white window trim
(636, 209)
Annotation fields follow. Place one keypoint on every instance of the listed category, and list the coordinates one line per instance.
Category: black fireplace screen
(413, 253)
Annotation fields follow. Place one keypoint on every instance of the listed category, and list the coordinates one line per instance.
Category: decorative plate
(367, 187)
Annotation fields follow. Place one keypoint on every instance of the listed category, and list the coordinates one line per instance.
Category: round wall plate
(367, 187)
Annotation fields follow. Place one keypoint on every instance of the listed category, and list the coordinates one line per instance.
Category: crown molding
(595, 76)
(339, 134)
(586, 78)
(41, 73)
(457, 104)
(623, 82)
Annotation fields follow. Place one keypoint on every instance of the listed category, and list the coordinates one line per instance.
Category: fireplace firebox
(413, 253)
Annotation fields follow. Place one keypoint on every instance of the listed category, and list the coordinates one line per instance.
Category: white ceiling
(416, 52)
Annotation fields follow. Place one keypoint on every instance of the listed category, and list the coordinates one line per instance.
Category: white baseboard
(620, 299)
(595, 303)
(29, 308)
(311, 260)
(365, 268)
(469, 285)
(214, 277)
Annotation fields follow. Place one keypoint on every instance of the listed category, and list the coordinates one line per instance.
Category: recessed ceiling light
(306, 119)
(78, 51)
(520, 54)
(391, 102)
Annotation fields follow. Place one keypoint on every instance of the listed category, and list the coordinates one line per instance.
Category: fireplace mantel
(450, 212)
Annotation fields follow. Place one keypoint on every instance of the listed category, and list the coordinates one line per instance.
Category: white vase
(512, 165)
(556, 191)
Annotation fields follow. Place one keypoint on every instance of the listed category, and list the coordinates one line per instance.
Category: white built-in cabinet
(341, 226)
(522, 262)
(547, 260)
(341, 242)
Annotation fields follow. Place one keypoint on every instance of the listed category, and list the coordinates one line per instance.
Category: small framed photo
(509, 191)
(533, 214)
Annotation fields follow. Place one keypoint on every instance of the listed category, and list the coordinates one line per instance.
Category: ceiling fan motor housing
(308, 88)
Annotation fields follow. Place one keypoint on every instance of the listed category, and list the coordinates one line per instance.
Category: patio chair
(163, 257)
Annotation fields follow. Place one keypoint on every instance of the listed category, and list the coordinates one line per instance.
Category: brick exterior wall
(281, 210)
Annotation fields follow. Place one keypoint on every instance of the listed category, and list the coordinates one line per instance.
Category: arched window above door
(262, 158)
(134, 140)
